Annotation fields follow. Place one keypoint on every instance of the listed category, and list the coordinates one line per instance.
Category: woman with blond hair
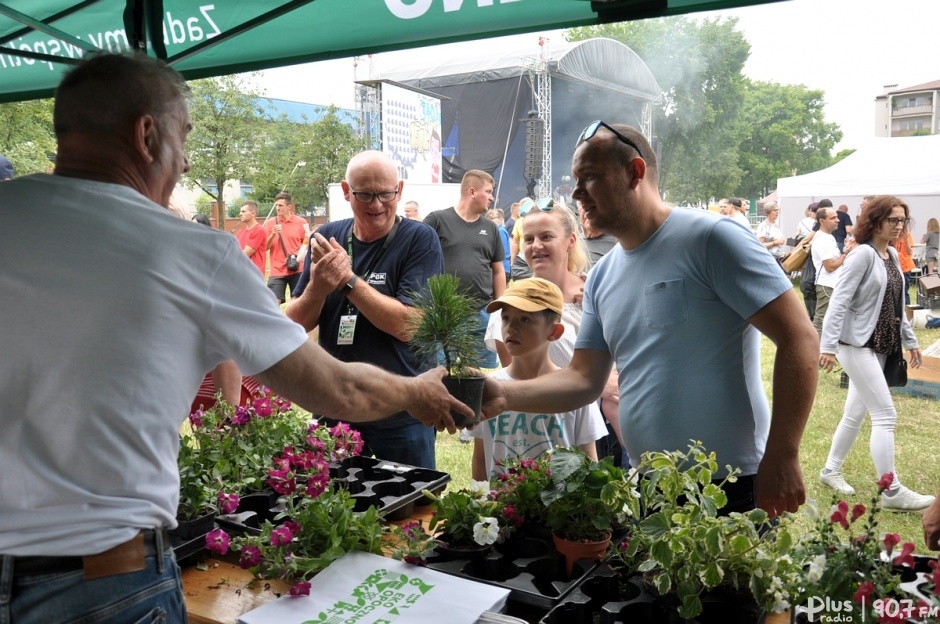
(865, 324)
(931, 242)
(555, 251)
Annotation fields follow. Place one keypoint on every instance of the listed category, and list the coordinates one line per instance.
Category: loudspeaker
(533, 152)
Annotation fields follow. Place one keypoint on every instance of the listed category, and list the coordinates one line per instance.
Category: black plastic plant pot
(197, 527)
(469, 391)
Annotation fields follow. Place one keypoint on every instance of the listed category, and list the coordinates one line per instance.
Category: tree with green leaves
(698, 64)
(781, 132)
(27, 138)
(228, 124)
(324, 147)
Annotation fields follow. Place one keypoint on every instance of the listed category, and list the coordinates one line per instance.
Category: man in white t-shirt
(828, 261)
(105, 344)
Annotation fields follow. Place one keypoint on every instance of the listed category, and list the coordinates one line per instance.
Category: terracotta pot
(572, 551)
(469, 391)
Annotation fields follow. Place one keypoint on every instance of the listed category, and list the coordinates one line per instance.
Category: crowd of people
(637, 323)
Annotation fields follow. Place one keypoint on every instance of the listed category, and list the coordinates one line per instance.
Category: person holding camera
(287, 233)
(356, 287)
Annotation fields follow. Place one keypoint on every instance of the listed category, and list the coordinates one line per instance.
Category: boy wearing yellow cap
(531, 319)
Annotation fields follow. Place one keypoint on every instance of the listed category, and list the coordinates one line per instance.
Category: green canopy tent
(39, 39)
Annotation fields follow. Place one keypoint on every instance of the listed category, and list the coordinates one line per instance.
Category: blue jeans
(154, 594)
(411, 443)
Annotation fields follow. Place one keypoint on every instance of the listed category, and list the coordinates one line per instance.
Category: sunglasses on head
(588, 133)
(545, 204)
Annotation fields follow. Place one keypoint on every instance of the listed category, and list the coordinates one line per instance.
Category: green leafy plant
(586, 498)
(685, 549)
(467, 518)
(445, 325)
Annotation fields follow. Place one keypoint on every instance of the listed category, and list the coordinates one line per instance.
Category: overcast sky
(849, 48)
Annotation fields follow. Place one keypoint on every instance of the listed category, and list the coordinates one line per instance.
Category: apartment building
(908, 111)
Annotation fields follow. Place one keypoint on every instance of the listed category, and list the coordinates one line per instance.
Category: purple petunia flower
(282, 481)
(262, 407)
(195, 419)
(250, 557)
(281, 536)
(242, 416)
(228, 503)
(217, 541)
(300, 589)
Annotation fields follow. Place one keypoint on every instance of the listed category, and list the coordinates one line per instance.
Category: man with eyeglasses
(678, 306)
(355, 289)
(827, 260)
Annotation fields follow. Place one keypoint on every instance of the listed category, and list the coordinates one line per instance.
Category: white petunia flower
(816, 568)
(479, 488)
(486, 531)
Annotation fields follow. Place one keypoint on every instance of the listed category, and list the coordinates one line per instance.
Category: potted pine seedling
(443, 332)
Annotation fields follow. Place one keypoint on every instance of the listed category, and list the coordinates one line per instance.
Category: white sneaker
(465, 436)
(906, 500)
(835, 481)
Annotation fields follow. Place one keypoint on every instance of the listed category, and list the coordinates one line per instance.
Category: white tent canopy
(908, 167)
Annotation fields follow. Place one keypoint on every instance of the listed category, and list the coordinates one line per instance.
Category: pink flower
(864, 593)
(839, 515)
(281, 536)
(217, 541)
(857, 512)
(300, 589)
(282, 481)
(228, 503)
(292, 526)
(195, 419)
(317, 483)
(283, 405)
(905, 557)
(934, 575)
(891, 540)
(250, 557)
(242, 416)
(412, 529)
(885, 481)
(316, 444)
(262, 407)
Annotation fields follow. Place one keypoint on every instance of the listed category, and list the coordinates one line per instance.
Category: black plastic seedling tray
(605, 596)
(394, 489)
(531, 569)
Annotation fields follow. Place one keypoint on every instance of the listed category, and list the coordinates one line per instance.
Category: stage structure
(518, 114)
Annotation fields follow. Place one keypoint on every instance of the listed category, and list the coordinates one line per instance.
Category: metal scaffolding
(541, 80)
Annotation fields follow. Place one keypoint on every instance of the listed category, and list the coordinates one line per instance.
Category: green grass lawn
(915, 443)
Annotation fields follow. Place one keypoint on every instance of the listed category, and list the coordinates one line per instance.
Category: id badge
(347, 327)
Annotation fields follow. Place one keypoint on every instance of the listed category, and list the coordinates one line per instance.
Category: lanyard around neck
(375, 260)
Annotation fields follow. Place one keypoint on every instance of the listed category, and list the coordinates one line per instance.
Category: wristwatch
(349, 285)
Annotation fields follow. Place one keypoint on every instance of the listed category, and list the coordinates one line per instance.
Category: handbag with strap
(896, 369)
(797, 258)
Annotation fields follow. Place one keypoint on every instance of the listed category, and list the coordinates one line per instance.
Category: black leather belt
(126, 557)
